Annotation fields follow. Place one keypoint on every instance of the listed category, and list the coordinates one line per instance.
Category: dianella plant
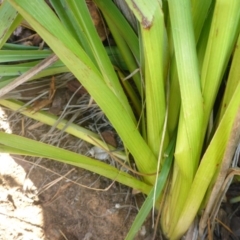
(163, 100)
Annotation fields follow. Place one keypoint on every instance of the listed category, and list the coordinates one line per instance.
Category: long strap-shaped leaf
(222, 37)
(124, 37)
(21, 68)
(21, 55)
(233, 78)
(199, 13)
(148, 203)
(82, 18)
(113, 14)
(188, 148)
(73, 129)
(153, 45)
(17, 144)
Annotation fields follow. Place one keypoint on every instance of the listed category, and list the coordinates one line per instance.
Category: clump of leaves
(175, 64)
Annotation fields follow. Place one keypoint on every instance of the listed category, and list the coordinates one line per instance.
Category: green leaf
(144, 11)
(233, 79)
(208, 166)
(20, 68)
(38, 149)
(13, 46)
(22, 55)
(153, 45)
(188, 149)
(73, 129)
(83, 18)
(148, 203)
(70, 22)
(116, 19)
(199, 12)
(10, 19)
(223, 34)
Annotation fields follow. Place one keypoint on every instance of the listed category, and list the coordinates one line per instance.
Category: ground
(43, 200)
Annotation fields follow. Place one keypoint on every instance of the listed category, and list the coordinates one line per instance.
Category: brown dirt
(32, 209)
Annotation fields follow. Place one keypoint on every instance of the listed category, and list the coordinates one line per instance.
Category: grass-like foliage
(177, 57)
